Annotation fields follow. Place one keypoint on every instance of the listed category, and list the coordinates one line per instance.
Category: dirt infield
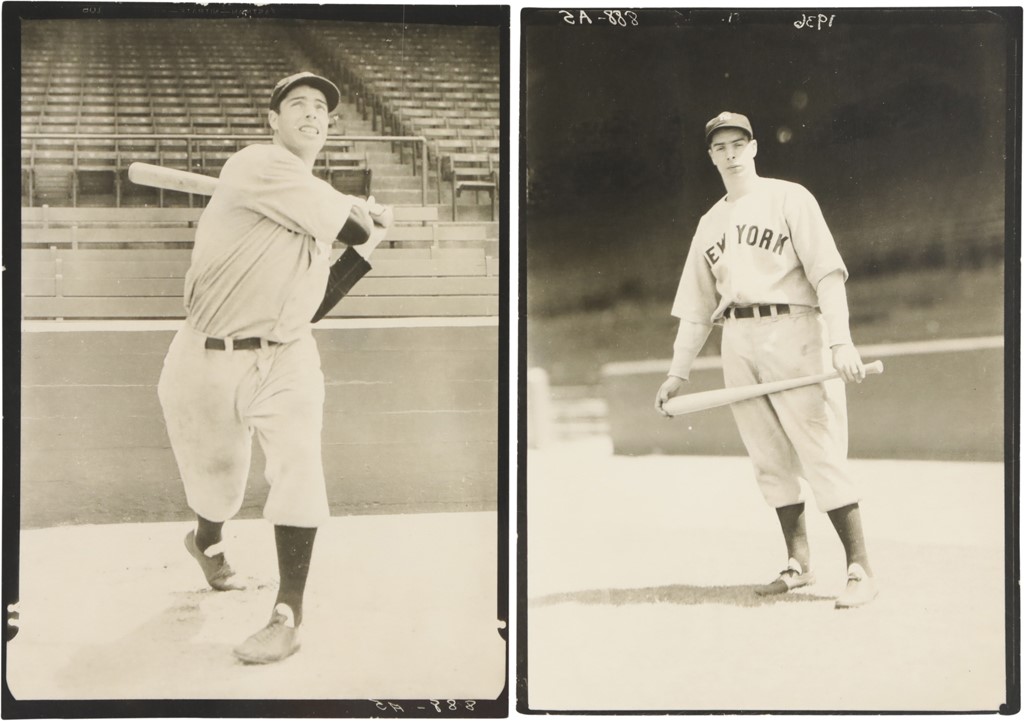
(640, 589)
(397, 607)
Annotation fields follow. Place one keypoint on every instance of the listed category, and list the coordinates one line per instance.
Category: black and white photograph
(259, 370)
(770, 260)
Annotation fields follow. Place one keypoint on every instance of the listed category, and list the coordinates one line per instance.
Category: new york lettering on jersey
(751, 235)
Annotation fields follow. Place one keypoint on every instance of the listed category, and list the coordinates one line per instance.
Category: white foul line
(952, 345)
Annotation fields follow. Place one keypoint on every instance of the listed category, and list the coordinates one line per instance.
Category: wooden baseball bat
(706, 400)
(157, 176)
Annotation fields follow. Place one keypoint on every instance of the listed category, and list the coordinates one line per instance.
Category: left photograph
(261, 388)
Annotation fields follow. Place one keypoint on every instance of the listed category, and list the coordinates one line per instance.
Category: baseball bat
(157, 176)
(706, 400)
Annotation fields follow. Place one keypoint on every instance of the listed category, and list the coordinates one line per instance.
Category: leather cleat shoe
(860, 588)
(218, 573)
(790, 578)
(278, 640)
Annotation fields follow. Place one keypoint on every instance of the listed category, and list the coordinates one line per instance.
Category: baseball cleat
(216, 569)
(860, 588)
(791, 577)
(278, 640)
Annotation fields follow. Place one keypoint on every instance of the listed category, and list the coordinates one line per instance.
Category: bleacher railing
(187, 148)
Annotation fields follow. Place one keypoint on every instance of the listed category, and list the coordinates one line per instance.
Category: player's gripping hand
(846, 360)
(382, 215)
(670, 388)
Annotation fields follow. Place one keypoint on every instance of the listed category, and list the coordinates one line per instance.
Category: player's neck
(310, 161)
(739, 186)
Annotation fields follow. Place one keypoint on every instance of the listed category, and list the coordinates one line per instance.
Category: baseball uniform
(259, 268)
(754, 266)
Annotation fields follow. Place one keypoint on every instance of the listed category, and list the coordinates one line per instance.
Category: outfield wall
(939, 400)
(410, 422)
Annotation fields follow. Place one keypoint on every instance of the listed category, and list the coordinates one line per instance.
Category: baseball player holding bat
(764, 265)
(245, 361)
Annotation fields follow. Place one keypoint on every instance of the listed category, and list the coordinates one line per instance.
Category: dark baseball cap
(329, 89)
(727, 120)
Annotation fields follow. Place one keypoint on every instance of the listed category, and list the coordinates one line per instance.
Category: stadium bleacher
(95, 92)
(98, 96)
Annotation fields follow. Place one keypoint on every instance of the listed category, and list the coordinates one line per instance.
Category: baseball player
(764, 265)
(245, 361)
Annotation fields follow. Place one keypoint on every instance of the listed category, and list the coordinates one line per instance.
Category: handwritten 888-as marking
(612, 17)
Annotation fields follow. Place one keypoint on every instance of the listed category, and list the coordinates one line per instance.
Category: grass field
(572, 344)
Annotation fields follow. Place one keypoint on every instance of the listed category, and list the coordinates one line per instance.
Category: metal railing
(192, 144)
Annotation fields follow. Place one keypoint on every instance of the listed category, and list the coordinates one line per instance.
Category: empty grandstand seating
(348, 171)
(471, 172)
(432, 81)
(92, 93)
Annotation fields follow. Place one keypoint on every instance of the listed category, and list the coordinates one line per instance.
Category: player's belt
(756, 311)
(239, 343)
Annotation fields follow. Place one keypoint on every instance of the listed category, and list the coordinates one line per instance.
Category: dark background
(895, 120)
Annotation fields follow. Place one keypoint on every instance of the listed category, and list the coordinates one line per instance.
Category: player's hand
(669, 389)
(846, 360)
(382, 215)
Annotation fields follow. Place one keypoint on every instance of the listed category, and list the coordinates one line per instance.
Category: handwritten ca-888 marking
(621, 18)
(438, 706)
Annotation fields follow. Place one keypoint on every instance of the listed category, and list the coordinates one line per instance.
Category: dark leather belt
(238, 343)
(756, 311)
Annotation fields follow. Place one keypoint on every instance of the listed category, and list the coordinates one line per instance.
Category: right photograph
(769, 278)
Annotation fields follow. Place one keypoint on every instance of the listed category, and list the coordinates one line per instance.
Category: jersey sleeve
(812, 240)
(273, 182)
(696, 295)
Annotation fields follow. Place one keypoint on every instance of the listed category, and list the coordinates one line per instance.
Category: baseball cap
(329, 89)
(727, 120)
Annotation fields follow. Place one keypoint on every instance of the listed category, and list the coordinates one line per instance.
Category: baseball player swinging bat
(345, 271)
(693, 402)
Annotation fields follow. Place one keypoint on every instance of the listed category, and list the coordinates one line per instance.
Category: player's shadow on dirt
(744, 596)
(160, 655)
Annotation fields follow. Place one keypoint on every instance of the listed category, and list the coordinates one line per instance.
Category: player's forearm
(690, 338)
(375, 239)
(834, 308)
(358, 227)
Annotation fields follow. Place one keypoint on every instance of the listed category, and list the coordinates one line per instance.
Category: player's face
(301, 122)
(732, 151)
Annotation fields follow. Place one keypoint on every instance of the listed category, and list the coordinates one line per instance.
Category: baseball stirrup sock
(794, 529)
(294, 551)
(208, 533)
(847, 523)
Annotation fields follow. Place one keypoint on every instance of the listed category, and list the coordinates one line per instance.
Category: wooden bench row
(399, 236)
(62, 174)
(46, 217)
(415, 227)
(148, 283)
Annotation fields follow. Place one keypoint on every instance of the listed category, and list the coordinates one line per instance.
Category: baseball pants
(214, 401)
(796, 434)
